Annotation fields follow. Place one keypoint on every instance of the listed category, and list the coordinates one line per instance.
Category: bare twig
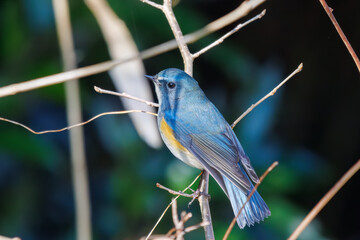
(179, 225)
(162, 215)
(232, 224)
(324, 200)
(194, 227)
(74, 115)
(59, 77)
(126, 95)
(328, 10)
(244, 8)
(78, 124)
(195, 195)
(184, 50)
(179, 230)
(299, 68)
(241, 11)
(151, 3)
(180, 193)
(220, 40)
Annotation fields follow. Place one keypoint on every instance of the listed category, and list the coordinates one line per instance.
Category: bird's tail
(255, 210)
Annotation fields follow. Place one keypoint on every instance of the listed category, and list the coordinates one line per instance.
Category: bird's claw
(196, 194)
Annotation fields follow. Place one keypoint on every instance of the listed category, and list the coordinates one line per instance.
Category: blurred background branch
(74, 116)
(229, 18)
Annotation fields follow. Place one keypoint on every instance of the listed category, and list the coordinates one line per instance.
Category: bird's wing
(218, 150)
(244, 159)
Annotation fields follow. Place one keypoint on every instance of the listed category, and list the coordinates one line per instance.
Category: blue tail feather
(255, 210)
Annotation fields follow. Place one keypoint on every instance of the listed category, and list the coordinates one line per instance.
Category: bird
(196, 133)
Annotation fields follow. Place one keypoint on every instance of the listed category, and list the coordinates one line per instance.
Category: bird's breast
(176, 147)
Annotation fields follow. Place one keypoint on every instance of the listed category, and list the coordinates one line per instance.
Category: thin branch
(328, 10)
(241, 11)
(324, 200)
(195, 227)
(179, 230)
(244, 9)
(220, 40)
(178, 193)
(184, 50)
(232, 224)
(74, 115)
(16, 88)
(151, 3)
(125, 95)
(195, 195)
(162, 215)
(299, 68)
(78, 124)
(185, 216)
(179, 225)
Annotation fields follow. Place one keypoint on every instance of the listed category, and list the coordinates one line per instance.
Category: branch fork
(194, 195)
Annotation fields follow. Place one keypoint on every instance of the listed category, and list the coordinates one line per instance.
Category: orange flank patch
(169, 134)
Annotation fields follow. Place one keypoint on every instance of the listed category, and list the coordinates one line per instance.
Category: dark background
(311, 126)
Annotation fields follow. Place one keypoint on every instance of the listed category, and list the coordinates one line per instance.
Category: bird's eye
(171, 84)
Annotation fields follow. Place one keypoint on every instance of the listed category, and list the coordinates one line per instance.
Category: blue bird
(197, 133)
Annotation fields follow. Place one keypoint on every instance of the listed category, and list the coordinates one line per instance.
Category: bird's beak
(154, 79)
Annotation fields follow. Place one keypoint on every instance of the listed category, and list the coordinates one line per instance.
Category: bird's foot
(195, 195)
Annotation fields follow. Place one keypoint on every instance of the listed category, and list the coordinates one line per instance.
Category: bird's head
(173, 84)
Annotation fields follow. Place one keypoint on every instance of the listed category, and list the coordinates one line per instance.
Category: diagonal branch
(328, 10)
(299, 68)
(324, 200)
(241, 11)
(220, 40)
(153, 4)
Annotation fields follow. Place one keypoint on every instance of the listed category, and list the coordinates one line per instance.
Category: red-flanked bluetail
(197, 133)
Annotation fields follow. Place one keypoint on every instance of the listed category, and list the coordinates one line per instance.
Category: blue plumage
(196, 133)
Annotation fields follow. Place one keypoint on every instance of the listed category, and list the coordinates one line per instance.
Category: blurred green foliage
(311, 126)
